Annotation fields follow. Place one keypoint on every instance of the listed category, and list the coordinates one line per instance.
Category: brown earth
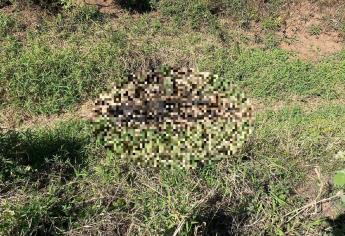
(296, 32)
(11, 119)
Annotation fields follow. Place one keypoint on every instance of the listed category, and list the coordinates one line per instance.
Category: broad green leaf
(339, 178)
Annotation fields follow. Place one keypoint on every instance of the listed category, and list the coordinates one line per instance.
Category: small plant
(271, 41)
(342, 29)
(339, 177)
(315, 30)
(85, 14)
(271, 23)
(67, 4)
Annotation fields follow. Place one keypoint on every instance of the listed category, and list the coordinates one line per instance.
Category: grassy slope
(59, 180)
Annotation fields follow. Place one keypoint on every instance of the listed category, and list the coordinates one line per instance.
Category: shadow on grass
(338, 225)
(4, 3)
(38, 156)
(213, 220)
(34, 154)
(140, 6)
(53, 6)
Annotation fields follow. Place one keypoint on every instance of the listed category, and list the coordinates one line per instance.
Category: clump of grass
(246, 11)
(195, 15)
(271, 23)
(315, 30)
(7, 23)
(271, 40)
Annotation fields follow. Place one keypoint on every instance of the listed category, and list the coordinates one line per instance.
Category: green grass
(50, 78)
(60, 66)
(60, 180)
(263, 179)
(55, 70)
(273, 74)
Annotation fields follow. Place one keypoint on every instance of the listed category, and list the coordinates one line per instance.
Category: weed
(271, 41)
(315, 30)
(271, 23)
(85, 14)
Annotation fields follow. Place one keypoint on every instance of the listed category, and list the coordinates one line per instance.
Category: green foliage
(245, 11)
(339, 178)
(50, 213)
(52, 5)
(81, 174)
(7, 23)
(271, 41)
(85, 14)
(67, 4)
(28, 158)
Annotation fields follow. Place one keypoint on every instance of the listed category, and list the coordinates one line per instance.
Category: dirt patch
(11, 119)
(83, 112)
(109, 7)
(313, 189)
(306, 31)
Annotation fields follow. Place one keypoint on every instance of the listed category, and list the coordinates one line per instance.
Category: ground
(56, 57)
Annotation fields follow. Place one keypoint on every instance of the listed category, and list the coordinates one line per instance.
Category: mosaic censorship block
(176, 117)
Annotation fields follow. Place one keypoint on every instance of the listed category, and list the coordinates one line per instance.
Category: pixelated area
(176, 117)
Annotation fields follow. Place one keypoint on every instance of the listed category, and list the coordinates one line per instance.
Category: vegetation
(315, 30)
(56, 178)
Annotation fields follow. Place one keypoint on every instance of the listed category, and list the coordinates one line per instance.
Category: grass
(315, 30)
(156, 200)
(58, 179)
(274, 75)
(78, 71)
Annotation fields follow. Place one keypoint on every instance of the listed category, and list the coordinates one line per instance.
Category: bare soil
(11, 119)
(298, 23)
